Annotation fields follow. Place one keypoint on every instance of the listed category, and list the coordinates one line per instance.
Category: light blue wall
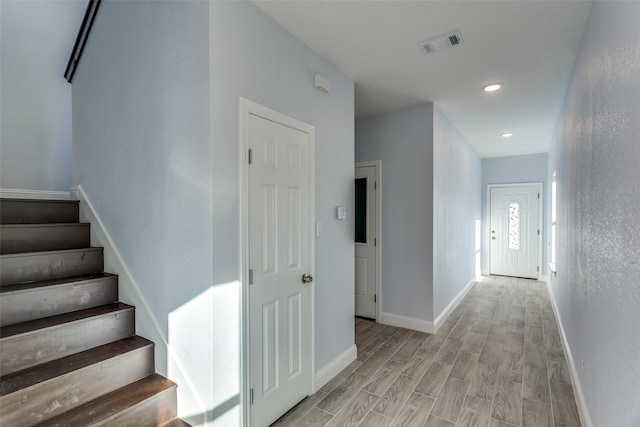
(35, 136)
(255, 58)
(430, 205)
(402, 140)
(513, 170)
(596, 154)
(456, 211)
(142, 154)
(156, 118)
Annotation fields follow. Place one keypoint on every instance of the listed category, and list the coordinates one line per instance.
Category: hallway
(497, 361)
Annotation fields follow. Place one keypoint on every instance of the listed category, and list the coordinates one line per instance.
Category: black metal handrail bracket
(81, 40)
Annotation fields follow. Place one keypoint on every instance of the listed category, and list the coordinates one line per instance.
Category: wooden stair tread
(46, 265)
(112, 403)
(25, 238)
(14, 199)
(28, 377)
(55, 282)
(29, 211)
(34, 300)
(59, 251)
(45, 225)
(60, 319)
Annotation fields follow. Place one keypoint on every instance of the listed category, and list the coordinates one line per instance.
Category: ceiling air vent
(442, 42)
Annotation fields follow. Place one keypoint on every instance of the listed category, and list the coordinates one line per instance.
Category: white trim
(15, 193)
(248, 107)
(100, 236)
(585, 418)
(442, 317)
(540, 186)
(378, 166)
(333, 368)
(406, 322)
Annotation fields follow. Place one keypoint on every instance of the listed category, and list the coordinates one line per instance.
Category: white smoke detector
(442, 42)
(322, 83)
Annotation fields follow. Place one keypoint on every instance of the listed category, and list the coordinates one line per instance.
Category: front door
(280, 328)
(366, 228)
(515, 230)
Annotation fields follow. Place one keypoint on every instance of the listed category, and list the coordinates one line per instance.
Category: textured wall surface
(402, 140)
(456, 210)
(36, 41)
(596, 156)
(513, 170)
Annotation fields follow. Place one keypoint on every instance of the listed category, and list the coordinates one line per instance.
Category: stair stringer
(147, 324)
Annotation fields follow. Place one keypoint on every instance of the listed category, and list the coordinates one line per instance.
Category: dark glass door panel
(361, 210)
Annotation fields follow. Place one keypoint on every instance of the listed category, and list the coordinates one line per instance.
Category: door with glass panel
(515, 230)
(366, 239)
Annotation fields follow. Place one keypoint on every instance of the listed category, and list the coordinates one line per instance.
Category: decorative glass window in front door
(514, 225)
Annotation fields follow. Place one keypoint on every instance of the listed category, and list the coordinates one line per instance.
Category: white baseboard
(147, 324)
(333, 368)
(421, 324)
(585, 418)
(442, 317)
(406, 322)
(14, 193)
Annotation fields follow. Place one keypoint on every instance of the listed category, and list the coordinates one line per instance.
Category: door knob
(306, 278)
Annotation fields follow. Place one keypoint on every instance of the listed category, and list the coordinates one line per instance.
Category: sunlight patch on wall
(478, 247)
(189, 355)
(204, 356)
(226, 354)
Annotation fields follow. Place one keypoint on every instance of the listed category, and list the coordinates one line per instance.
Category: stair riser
(36, 238)
(153, 412)
(45, 400)
(41, 346)
(38, 212)
(22, 306)
(22, 268)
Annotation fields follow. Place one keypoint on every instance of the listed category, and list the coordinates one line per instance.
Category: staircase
(69, 355)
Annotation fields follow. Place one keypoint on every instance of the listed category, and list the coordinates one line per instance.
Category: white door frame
(378, 206)
(248, 107)
(540, 219)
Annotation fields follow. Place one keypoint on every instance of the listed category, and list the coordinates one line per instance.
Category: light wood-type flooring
(497, 361)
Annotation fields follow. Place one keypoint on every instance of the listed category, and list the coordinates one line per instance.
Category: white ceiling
(530, 46)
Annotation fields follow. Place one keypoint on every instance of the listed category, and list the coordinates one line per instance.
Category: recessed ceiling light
(492, 87)
(507, 134)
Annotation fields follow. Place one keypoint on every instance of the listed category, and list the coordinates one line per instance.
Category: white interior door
(280, 328)
(515, 230)
(366, 240)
